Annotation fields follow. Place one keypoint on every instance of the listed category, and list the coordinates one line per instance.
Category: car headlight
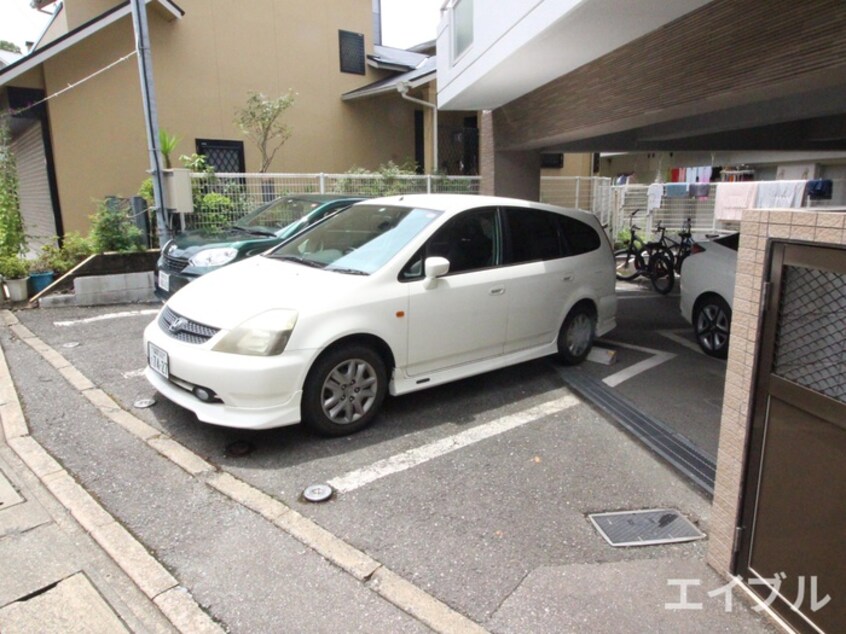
(213, 257)
(263, 335)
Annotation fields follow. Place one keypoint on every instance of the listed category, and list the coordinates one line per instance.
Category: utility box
(177, 186)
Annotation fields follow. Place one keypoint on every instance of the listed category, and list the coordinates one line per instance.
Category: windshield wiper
(298, 259)
(254, 232)
(347, 271)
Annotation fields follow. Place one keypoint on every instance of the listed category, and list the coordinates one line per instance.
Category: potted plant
(42, 269)
(15, 272)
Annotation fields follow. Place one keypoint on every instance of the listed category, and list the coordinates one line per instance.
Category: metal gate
(792, 545)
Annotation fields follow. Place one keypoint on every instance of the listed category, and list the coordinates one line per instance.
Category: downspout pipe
(402, 89)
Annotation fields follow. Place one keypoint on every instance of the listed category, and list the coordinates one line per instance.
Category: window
(578, 236)
(535, 235)
(462, 27)
(552, 160)
(224, 156)
(532, 235)
(469, 241)
(351, 46)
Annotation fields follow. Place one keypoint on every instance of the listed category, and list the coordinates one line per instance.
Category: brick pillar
(486, 153)
(515, 174)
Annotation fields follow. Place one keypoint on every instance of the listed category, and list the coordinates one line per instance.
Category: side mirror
(434, 268)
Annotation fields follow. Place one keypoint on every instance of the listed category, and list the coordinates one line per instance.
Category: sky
(404, 22)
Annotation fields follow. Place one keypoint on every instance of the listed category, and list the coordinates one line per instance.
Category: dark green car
(194, 253)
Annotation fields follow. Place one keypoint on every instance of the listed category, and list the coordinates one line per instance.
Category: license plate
(164, 281)
(157, 358)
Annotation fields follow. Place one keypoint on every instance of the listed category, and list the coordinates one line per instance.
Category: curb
(183, 612)
(157, 584)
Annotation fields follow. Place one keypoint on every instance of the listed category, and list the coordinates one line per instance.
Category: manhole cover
(645, 528)
(143, 403)
(318, 493)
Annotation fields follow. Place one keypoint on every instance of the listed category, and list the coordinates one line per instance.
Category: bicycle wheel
(661, 272)
(627, 264)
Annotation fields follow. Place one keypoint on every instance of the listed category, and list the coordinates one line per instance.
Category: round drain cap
(143, 403)
(239, 448)
(318, 493)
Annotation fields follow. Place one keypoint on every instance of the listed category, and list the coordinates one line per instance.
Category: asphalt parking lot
(476, 492)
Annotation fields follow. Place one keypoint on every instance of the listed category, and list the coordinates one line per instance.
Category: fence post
(578, 192)
(322, 183)
(428, 183)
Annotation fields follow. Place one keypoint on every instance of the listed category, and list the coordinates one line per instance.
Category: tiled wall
(757, 228)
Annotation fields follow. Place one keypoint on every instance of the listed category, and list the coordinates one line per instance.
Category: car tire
(344, 390)
(712, 325)
(575, 338)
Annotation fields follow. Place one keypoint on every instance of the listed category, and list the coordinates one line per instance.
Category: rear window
(579, 236)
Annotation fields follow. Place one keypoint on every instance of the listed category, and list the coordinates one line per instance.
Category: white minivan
(391, 295)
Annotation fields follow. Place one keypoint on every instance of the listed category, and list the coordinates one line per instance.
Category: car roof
(321, 198)
(454, 203)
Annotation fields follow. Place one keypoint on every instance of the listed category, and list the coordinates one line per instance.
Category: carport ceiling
(814, 121)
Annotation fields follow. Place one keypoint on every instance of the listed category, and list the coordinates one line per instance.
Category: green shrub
(12, 235)
(112, 230)
(75, 249)
(13, 267)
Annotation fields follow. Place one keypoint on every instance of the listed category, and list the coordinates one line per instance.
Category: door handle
(497, 290)
(568, 277)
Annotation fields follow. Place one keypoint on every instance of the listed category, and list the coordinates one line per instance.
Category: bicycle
(681, 249)
(650, 259)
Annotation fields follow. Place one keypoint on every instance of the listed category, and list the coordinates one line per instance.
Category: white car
(707, 292)
(392, 295)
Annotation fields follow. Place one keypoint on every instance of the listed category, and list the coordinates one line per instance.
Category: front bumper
(252, 392)
(174, 281)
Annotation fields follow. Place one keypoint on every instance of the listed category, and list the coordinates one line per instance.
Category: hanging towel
(820, 189)
(732, 198)
(700, 190)
(780, 194)
(654, 193)
(677, 190)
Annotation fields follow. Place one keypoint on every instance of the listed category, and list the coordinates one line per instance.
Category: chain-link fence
(223, 198)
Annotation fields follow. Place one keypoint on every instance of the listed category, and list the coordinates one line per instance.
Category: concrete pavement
(68, 556)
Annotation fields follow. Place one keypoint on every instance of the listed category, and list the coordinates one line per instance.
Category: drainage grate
(655, 434)
(645, 528)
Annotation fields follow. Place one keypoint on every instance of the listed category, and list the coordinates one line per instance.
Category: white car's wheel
(344, 390)
(576, 335)
(712, 325)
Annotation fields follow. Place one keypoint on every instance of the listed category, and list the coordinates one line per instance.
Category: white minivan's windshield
(358, 240)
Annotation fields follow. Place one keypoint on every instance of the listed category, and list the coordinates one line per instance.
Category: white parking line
(413, 457)
(658, 357)
(682, 341)
(88, 320)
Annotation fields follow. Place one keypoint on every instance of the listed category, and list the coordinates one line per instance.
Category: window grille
(351, 47)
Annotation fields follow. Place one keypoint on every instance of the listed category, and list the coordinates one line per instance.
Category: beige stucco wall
(204, 66)
(757, 228)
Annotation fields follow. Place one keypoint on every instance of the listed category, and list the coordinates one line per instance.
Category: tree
(11, 47)
(260, 121)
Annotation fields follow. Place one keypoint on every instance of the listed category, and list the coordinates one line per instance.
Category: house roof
(166, 8)
(423, 74)
(389, 58)
(8, 57)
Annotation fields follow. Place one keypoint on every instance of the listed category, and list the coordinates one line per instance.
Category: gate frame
(824, 227)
